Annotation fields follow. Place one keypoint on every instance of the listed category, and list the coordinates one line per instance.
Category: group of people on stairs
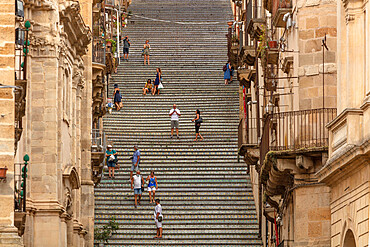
(138, 183)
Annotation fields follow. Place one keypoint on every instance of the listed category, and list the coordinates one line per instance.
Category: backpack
(224, 68)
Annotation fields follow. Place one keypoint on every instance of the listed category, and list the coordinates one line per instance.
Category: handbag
(160, 86)
(111, 158)
(199, 121)
(160, 218)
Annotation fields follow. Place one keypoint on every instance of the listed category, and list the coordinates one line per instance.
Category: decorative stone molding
(40, 4)
(73, 23)
(70, 175)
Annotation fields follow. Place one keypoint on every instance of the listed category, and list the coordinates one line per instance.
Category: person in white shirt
(137, 182)
(175, 114)
(158, 217)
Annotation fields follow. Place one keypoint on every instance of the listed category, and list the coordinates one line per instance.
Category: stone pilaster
(8, 232)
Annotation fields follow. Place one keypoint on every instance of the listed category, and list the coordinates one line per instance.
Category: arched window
(349, 239)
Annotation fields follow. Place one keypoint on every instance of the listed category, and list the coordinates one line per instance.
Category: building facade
(347, 171)
(53, 95)
(304, 82)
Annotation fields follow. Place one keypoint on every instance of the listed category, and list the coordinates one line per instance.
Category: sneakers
(178, 137)
(171, 136)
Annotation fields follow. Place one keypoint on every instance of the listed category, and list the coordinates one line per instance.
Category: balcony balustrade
(294, 131)
(19, 197)
(98, 50)
(248, 140)
(278, 8)
(255, 20)
(98, 145)
(110, 3)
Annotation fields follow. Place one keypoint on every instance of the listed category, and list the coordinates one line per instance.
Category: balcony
(110, 3)
(98, 144)
(20, 94)
(19, 205)
(247, 56)
(278, 8)
(291, 141)
(301, 130)
(254, 20)
(248, 141)
(246, 76)
(98, 51)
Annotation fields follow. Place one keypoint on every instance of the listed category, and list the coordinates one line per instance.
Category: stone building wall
(57, 131)
(8, 232)
(312, 29)
(347, 170)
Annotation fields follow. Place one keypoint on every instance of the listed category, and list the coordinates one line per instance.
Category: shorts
(158, 224)
(135, 169)
(151, 189)
(125, 50)
(111, 164)
(137, 191)
(174, 124)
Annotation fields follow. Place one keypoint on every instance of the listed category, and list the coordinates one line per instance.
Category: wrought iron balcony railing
(98, 140)
(18, 190)
(297, 130)
(279, 9)
(98, 50)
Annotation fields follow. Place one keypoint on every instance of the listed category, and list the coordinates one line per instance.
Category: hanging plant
(263, 45)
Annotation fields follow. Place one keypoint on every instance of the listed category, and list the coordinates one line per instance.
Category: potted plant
(3, 172)
(273, 44)
(104, 233)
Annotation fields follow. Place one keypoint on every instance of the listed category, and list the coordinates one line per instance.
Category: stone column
(44, 131)
(8, 232)
(87, 185)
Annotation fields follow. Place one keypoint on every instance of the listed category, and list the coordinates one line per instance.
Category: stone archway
(349, 239)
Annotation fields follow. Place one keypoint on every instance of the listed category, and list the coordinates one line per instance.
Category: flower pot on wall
(273, 44)
(3, 172)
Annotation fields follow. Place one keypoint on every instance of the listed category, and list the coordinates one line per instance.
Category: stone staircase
(205, 193)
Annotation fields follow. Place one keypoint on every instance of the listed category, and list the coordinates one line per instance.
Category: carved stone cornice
(78, 33)
(40, 4)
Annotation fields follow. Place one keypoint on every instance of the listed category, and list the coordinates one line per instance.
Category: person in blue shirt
(111, 156)
(135, 161)
(152, 186)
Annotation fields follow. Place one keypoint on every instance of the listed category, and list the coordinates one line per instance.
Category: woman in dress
(152, 186)
(117, 97)
(197, 121)
(227, 73)
(146, 52)
(148, 87)
(157, 81)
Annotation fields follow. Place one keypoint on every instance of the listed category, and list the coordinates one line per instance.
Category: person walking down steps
(157, 82)
(126, 48)
(175, 114)
(137, 183)
(135, 161)
(197, 120)
(111, 156)
(146, 52)
(117, 98)
(227, 72)
(158, 218)
(152, 186)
